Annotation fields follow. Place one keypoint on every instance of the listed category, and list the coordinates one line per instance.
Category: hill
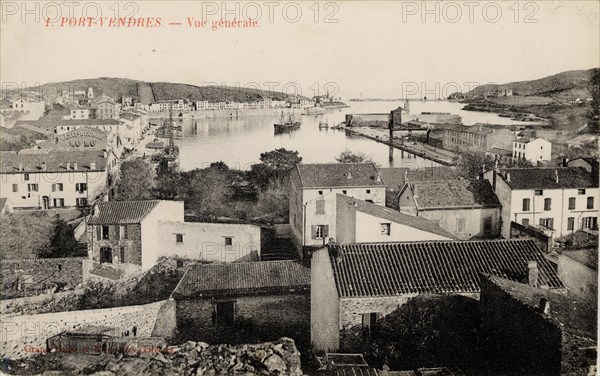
(561, 86)
(148, 92)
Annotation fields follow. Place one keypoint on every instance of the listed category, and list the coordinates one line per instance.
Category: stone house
(271, 297)
(313, 196)
(560, 199)
(465, 208)
(354, 285)
(477, 138)
(529, 329)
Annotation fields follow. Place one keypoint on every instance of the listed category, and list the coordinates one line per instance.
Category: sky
(375, 49)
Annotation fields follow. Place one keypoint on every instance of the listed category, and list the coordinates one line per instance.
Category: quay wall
(209, 114)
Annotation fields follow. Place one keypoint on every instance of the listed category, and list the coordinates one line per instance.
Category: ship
(286, 125)
(324, 124)
(171, 151)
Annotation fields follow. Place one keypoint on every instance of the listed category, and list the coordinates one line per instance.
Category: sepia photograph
(320, 188)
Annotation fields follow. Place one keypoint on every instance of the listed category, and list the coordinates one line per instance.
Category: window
(106, 255)
(526, 204)
(122, 254)
(525, 221)
(15, 187)
(369, 323)
(59, 267)
(26, 177)
(320, 206)
(344, 192)
(547, 222)
(59, 202)
(571, 203)
(180, 263)
(570, 224)
(386, 228)
(224, 313)
(32, 187)
(105, 230)
(59, 187)
(80, 187)
(179, 238)
(125, 231)
(321, 193)
(590, 202)
(460, 225)
(581, 191)
(590, 222)
(228, 240)
(539, 192)
(320, 231)
(547, 204)
(82, 201)
(368, 191)
(117, 232)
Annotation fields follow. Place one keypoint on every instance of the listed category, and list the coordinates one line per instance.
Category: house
(312, 196)
(268, 297)
(578, 269)
(65, 126)
(27, 108)
(360, 221)
(6, 206)
(532, 330)
(477, 138)
(532, 150)
(561, 199)
(123, 236)
(353, 285)
(45, 179)
(106, 108)
(214, 242)
(464, 208)
(76, 111)
(589, 164)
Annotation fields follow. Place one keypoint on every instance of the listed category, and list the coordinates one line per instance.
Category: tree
(135, 181)
(167, 183)
(275, 164)
(62, 242)
(428, 331)
(273, 201)
(472, 163)
(206, 191)
(348, 156)
(25, 235)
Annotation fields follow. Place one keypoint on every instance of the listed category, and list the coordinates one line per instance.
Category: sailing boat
(171, 151)
(286, 125)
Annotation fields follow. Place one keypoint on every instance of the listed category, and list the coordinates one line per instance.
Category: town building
(26, 108)
(65, 126)
(358, 221)
(45, 179)
(578, 269)
(528, 329)
(76, 111)
(106, 108)
(123, 236)
(394, 179)
(477, 138)
(589, 164)
(313, 196)
(354, 285)
(532, 150)
(559, 199)
(465, 208)
(267, 297)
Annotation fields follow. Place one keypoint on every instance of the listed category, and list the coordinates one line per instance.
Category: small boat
(287, 125)
(324, 124)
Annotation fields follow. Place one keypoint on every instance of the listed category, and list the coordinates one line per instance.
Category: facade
(123, 236)
(561, 199)
(354, 285)
(465, 208)
(530, 330)
(106, 108)
(29, 109)
(53, 178)
(477, 137)
(270, 297)
(313, 196)
(358, 221)
(77, 112)
(215, 242)
(578, 269)
(108, 125)
(532, 150)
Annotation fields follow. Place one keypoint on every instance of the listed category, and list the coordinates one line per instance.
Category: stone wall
(22, 334)
(33, 274)
(581, 280)
(132, 246)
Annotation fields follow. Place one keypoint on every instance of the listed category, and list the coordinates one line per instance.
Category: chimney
(74, 165)
(44, 167)
(348, 176)
(545, 306)
(556, 176)
(533, 274)
(20, 166)
(378, 177)
(92, 165)
(68, 165)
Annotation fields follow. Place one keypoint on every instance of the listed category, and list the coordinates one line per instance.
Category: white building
(560, 199)
(44, 179)
(109, 125)
(30, 109)
(532, 150)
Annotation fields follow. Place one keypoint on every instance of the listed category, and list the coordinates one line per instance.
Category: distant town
(115, 259)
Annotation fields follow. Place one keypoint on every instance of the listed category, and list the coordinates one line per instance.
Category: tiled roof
(56, 160)
(389, 269)
(243, 278)
(394, 177)
(121, 212)
(499, 151)
(479, 129)
(454, 194)
(3, 201)
(393, 215)
(338, 175)
(49, 123)
(573, 315)
(545, 178)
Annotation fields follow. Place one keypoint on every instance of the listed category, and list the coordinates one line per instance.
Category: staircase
(279, 249)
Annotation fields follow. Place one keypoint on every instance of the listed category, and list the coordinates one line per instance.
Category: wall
(504, 194)
(324, 303)
(132, 245)
(206, 241)
(538, 150)
(474, 221)
(368, 229)
(33, 330)
(164, 211)
(581, 280)
(96, 184)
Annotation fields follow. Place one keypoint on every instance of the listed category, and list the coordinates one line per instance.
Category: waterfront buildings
(477, 138)
(532, 150)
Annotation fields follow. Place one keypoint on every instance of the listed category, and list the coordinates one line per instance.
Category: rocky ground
(280, 357)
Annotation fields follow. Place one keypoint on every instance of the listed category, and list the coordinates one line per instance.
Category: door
(106, 255)
(46, 202)
(225, 312)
